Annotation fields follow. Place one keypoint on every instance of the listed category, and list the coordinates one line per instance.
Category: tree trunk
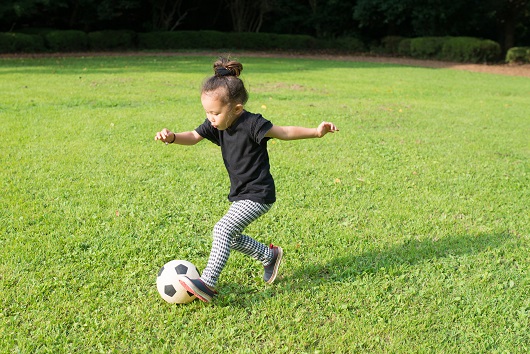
(510, 15)
(247, 15)
(73, 14)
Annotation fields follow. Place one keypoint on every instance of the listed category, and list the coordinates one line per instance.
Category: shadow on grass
(390, 260)
(409, 252)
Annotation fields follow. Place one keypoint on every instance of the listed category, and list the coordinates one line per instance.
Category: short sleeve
(208, 132)
(260, 127)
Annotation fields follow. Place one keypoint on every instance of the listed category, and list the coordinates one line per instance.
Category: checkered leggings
(227, 236)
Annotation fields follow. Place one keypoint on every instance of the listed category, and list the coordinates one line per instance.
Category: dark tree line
(505, 21)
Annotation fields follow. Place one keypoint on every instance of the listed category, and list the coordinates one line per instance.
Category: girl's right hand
(165, 135)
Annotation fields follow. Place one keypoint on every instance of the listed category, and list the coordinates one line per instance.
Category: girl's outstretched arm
(294, 133)
(185, 138)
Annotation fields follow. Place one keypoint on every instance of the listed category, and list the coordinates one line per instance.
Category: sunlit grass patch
(407, 231)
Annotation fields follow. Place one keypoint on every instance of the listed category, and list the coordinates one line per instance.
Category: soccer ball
(168, 285)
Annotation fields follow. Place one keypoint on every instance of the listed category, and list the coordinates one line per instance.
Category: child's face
(219, 113)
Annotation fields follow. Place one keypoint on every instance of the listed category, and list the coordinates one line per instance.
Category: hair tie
(223, 72)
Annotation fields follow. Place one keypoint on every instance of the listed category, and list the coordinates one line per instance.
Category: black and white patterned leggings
(227, 236)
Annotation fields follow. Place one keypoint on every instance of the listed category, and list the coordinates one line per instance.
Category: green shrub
(41, 31)
(67, 41)
(488, 51)
(152, 40)
(5, 42)
(343, 44)
(220, 40)
(349, 44)
(390, 44)
(296, 42)
(404, 47)
(250, 40)
(156, 40)
(21, 43)
(460, 49)
(273, 41)
(111, 40)
(426, 47)
(518, 55)
(470, 50)
(269, 41)
(181, 40)
(211, 40)
(198, 40)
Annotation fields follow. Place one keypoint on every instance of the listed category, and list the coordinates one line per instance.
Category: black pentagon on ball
(169, 290)
(160, 271)
(181, 269)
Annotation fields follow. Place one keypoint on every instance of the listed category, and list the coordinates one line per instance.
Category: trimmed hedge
(41, 31)
(461, 49)
(470, 50)
(21, 43)
(426, 47)
(67, 41)
(111, 40)
(348, 44)
(519, 55)
(181, 40)
(404, 47)
(252, 41)
(390, 44)
(244, 40)
(220, 40)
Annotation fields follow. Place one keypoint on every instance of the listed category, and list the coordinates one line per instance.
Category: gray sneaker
(271, 270)
(198, 288)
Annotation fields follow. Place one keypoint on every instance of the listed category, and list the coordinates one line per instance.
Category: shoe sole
(194, 290)
(276, 266)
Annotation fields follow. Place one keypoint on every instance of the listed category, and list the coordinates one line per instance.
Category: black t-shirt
(244, 149)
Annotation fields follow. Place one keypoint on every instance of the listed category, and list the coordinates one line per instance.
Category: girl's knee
(224, 229)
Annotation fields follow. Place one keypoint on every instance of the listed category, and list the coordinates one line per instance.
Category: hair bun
(222, 71)
(227, 67)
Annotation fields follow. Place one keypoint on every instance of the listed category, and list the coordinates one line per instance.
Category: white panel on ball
(168, 285)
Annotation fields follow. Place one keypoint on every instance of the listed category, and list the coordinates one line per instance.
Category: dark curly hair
(226, 76)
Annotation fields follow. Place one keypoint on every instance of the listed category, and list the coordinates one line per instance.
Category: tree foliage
(506, 21)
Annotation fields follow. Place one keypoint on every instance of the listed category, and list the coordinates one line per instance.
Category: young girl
(243, 138)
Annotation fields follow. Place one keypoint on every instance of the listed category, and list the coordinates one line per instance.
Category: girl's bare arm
(294, 133)
(184, 138)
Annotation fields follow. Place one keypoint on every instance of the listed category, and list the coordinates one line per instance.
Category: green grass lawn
(405, 232)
